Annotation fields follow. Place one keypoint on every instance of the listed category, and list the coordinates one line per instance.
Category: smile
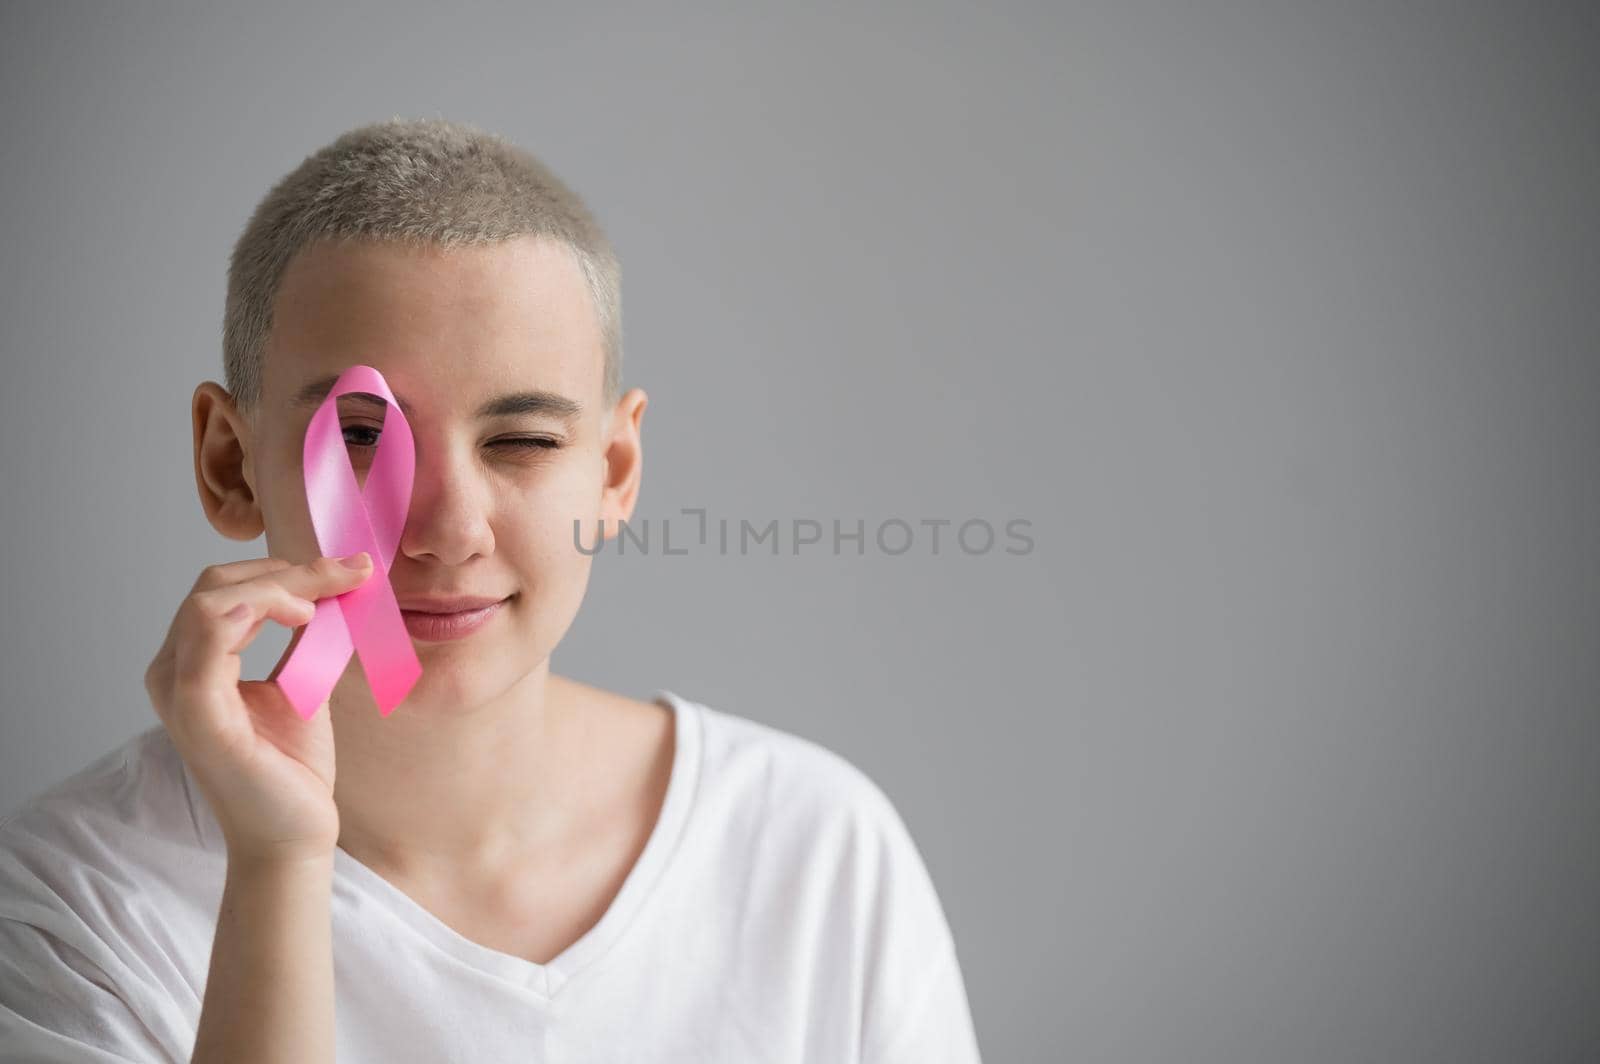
(441, 627)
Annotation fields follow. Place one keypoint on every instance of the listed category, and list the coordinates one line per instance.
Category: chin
(455, 681)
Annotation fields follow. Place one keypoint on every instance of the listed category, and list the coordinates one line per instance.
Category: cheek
(554, 573)
(284, 511)
(539, 526)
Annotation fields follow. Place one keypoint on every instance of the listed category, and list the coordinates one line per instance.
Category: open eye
(360, 443)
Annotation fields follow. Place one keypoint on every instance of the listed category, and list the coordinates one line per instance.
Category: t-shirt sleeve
(80, 963)
(936, 1028)
(915, 1008)
(58, 1005)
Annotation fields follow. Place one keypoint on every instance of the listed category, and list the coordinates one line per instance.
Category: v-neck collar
(547, 979)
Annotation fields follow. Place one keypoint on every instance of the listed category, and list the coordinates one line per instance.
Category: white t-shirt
(779, 912)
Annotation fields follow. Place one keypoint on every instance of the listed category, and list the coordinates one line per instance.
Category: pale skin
(509, 801)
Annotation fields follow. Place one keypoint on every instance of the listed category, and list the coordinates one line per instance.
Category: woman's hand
(267, 773)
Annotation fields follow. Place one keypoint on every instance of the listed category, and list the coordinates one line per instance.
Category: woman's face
(497, 494)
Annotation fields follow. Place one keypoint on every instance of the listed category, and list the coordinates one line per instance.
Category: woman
(511, 865)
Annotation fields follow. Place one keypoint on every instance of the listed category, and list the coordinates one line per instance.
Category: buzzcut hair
(417, 181)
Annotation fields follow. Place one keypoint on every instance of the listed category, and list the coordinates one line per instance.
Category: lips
(436, 623)
(447, 603)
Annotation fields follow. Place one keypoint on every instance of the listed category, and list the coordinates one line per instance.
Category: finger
(215, 624)
(286, 594)
(305, 611)
(205, 696)
(220, 575)
(162, 674)
(317, 579)
(225, 573)
(321, 578)
(218, 624)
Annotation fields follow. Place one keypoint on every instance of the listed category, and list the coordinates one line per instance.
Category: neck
(441, 784)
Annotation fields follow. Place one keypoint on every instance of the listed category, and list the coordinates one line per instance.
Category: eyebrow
(508, 405)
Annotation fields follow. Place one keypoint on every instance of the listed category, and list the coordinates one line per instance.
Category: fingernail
(358, 560)
(238, 612)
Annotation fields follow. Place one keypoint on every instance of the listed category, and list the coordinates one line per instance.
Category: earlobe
(221, 464)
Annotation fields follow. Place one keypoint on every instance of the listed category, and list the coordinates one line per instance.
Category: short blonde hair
(412, 180)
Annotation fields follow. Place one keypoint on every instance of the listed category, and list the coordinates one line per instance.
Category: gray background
(1276, 321)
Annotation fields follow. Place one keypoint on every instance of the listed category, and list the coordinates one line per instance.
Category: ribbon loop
(347, 518)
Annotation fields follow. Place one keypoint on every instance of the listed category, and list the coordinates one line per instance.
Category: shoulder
(792, 799)
(114, 823)
(789, 771)
(104, 909)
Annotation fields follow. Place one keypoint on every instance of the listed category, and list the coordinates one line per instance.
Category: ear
(222, 468)
(624, 461)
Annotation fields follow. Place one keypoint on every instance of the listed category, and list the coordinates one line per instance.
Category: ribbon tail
(383, 643)
(319, 659)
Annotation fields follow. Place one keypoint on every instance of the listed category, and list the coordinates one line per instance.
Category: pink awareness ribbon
(349, 518)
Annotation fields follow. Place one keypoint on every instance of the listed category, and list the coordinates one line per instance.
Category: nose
(448, 520)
